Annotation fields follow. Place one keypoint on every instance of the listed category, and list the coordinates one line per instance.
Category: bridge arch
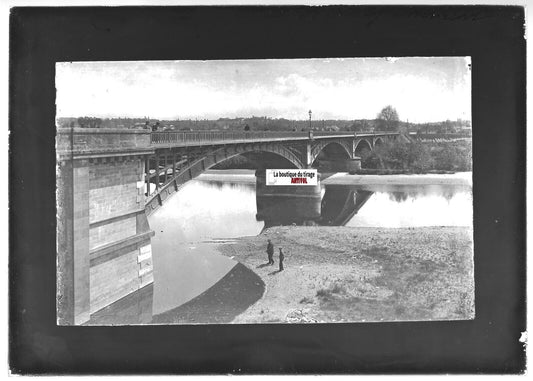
(331, 148)
(279, 151)
(378, 141)
(209, 159)
(361, 146)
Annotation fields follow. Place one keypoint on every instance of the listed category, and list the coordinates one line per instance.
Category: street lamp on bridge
(310, 112)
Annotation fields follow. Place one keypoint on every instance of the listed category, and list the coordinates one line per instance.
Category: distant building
(465, 130)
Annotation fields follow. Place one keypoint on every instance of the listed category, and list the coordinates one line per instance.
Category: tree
(87, 122)
(388, 119)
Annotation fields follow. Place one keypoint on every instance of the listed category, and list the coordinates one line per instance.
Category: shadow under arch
(362, 146)
(332, 150)
(378, 142)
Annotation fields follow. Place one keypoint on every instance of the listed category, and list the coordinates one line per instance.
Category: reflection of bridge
(109, 181)
(336, 208)
(341, 203)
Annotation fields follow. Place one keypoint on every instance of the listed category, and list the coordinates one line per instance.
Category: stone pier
(286, 204)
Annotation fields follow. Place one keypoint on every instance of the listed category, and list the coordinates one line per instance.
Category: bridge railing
(207, 136)
(186, 137)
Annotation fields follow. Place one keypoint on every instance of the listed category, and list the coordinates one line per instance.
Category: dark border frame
(492, 36)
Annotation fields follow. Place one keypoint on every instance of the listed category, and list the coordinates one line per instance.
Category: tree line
(419, 157)
(387, 119)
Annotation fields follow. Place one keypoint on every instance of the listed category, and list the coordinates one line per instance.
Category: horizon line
(248, 117)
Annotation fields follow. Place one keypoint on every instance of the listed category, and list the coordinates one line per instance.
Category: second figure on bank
(270, 252)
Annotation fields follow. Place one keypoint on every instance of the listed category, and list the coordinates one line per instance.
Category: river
(194, 284)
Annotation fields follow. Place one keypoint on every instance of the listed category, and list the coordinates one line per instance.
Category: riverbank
(463, 179)
(374, 171)
(247, 176)
(344, 274)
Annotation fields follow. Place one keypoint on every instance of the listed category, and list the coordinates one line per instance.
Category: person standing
(270, 252)
(281, 258)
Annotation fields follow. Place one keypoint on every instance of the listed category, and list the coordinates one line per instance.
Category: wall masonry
(116, 199)
(80, 184)
(113, 280)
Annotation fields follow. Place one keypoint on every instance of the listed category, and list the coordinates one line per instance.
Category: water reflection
(195, 284)
(405, 209)
(335, 206)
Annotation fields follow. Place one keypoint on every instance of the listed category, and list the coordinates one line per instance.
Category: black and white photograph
(264, 191)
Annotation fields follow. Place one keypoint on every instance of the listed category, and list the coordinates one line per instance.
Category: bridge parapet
(99, 142)
(183, 138)
(166, 137)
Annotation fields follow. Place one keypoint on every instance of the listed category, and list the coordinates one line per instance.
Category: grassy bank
(419, 157)
(343, 274)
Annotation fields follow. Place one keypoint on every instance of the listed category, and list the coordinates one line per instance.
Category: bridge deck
(170, 139)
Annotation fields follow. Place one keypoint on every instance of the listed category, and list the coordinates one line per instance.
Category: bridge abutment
(73, 297)
(119, 233)
(104, 249)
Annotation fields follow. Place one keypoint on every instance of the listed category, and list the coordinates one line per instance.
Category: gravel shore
(342, 274)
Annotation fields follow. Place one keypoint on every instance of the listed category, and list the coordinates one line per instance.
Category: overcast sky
(421, 89)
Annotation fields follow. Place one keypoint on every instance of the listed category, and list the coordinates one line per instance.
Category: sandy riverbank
(456, 179)
(343, 178)
(342, 274)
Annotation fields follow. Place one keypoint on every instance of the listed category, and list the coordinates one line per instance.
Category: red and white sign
(291, 177)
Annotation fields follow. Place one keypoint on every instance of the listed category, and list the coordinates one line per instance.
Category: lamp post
(310, 112)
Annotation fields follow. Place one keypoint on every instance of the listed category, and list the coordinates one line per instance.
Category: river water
(194, 284)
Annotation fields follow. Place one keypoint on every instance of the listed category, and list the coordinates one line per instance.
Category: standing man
(281, 258)
(270, 252)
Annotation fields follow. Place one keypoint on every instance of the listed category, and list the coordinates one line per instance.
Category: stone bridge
(180, 157)
(109, 181)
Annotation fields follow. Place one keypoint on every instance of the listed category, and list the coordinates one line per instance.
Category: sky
(422, 89)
